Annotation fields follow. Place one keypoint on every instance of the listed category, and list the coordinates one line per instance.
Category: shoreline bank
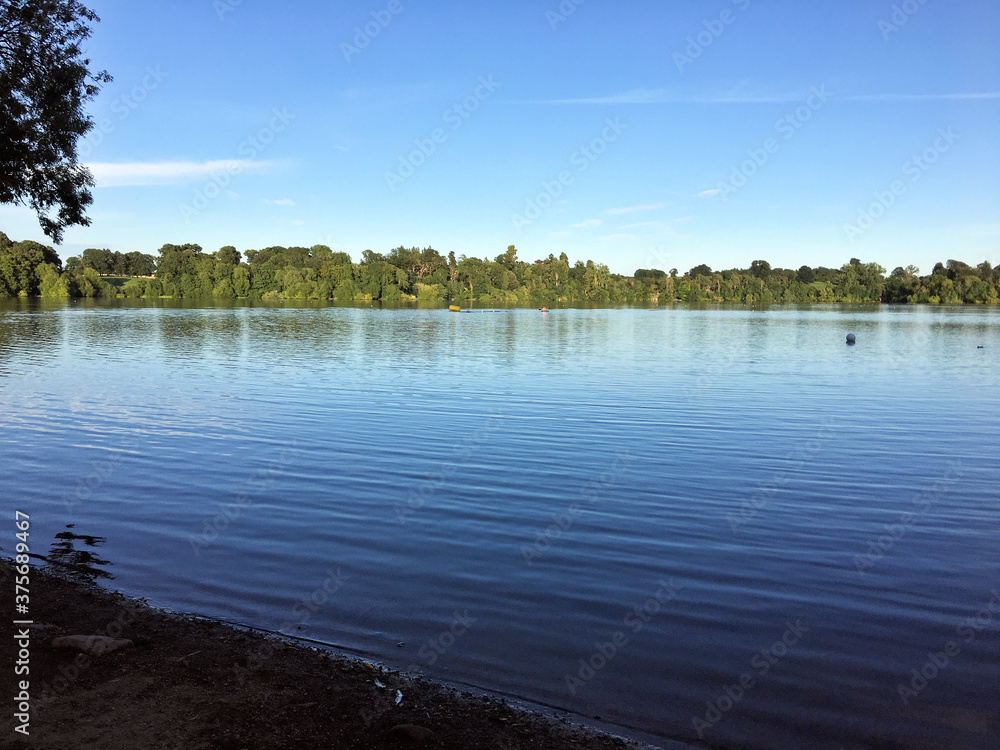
(191, 682)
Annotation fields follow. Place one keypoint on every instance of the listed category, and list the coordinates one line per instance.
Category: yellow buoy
(454, 308)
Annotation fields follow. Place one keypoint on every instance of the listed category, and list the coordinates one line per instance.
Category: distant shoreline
(413, 274)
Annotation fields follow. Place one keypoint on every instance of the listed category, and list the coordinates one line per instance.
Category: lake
(698, 524)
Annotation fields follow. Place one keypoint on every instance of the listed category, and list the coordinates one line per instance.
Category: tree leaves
(44, 84)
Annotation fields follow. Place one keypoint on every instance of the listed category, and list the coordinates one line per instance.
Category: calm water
(681, 498)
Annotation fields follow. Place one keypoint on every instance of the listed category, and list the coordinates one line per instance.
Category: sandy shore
(190, 683)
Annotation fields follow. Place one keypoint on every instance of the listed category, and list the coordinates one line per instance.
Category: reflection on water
(78, 563)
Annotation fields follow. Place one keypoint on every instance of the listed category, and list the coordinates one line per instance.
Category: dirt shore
(190, 683)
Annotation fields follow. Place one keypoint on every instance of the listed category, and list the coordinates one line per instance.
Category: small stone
(96, 645)
(412, 732)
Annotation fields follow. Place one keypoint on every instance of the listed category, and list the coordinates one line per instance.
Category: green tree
(50, 282)
(140, 264)
(19, 263)
(45, 83)
(241, 281)
(508, 259)
(98, 259)
(228, 255)
(88, 283)
(702, 270)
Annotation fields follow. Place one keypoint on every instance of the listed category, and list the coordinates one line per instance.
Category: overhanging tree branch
(44, 84)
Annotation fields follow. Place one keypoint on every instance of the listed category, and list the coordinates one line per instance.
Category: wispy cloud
(130, 174)
(617, 238)
(666, 96)
(588, 224)
(635, 96)
(641, 224)
(634, 209)
(919, 97)
(708, 193)
(280, 202)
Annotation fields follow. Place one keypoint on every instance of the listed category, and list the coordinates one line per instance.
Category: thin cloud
(280, 202)
(130, 174)
(708, 193)
(920, 97)
(635, 96)
(642, 224)
(634, 209)
(617, 238)
(665, 96)
(588, 224)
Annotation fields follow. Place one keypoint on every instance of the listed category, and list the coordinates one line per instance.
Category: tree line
(108, 263)
(277, 273)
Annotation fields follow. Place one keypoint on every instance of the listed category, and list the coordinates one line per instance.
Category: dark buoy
(850, 339)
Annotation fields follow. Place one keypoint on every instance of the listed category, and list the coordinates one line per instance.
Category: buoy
(454, 308)
(850, 338)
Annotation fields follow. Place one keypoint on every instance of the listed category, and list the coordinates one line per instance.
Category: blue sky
(638, 134)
